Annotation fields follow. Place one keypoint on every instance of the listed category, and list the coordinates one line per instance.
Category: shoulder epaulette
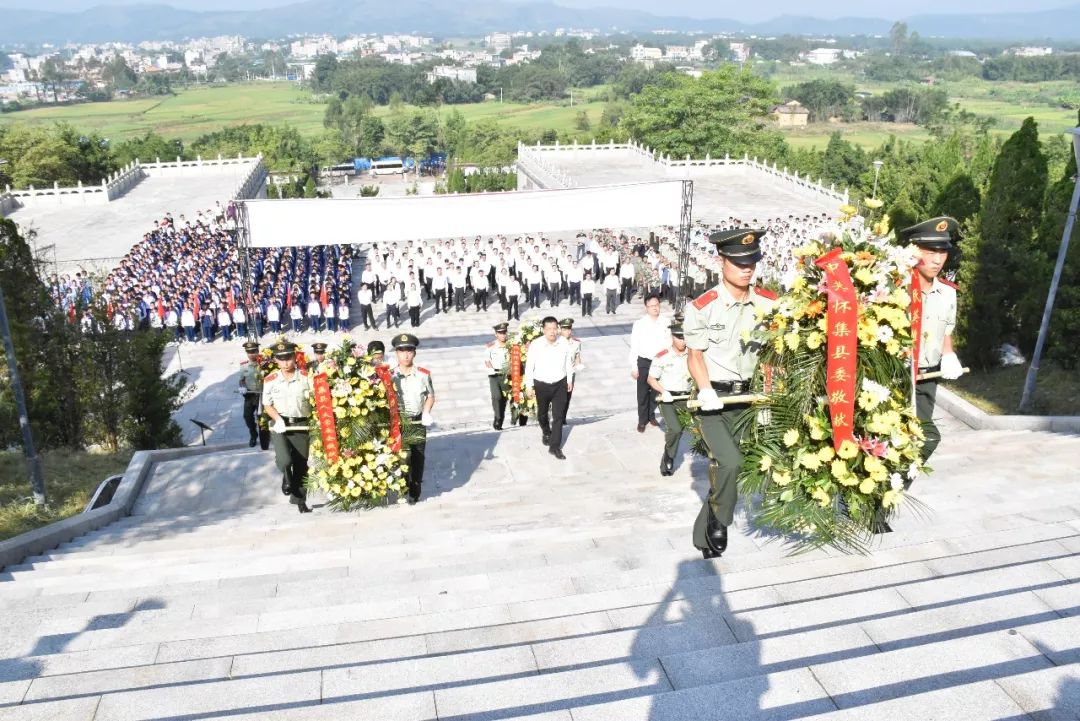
(662, 353)
(575, 339)
(765, 293)
(949, 283)
(243, 363)
(272, 376)
(703, 300)
(423, 370)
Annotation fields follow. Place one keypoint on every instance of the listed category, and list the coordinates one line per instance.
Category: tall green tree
(724, 111)
(1064, 338)
(1001, 252)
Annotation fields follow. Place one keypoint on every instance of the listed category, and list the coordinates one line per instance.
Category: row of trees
(828, 99)
(101, 388)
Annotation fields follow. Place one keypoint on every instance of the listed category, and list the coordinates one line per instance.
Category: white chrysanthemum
(884, 333)
(896, 481)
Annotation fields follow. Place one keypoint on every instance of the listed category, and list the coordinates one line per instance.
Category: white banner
(273, 223)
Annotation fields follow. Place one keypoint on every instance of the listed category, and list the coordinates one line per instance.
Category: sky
(743, 11)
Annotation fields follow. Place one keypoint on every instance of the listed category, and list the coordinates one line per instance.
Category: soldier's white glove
(425, 419)
(950, 367)
(709, 401)
(279, 426)
(666, 397)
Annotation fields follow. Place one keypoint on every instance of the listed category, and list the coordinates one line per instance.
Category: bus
(388, 166)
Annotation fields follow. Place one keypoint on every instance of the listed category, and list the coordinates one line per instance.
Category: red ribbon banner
(916, 319)
(392, 401)
(515, 373)
(324, 411)
(843, 345)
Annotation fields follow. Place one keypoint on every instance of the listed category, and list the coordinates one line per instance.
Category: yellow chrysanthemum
(867, 486)
(766, 463)
(848, 450)
(781, 478)
(826, 454)
(814, 340)
(809, 461)
(821, 496)
(791, 437)
(792, 340)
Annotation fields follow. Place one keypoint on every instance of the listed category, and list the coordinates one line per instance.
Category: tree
(147, 149)
(898, 38)
(959, 199)
(724, 111)
(843, 163)
(53, 75)
(325, 68)
(117, 74)
(1003, 243)
(824, 99)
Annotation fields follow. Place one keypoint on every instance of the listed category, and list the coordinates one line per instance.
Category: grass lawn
(868, 135)
(200, 110)
(1057, 392)
(71, 477)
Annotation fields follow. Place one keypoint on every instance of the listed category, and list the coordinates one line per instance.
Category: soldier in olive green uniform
(566, 330)
(496, 359)
(669, 376)
(416, 396)
(934, 239)
(314, 367)
(286, 400)
(251, 387)
(720, 361)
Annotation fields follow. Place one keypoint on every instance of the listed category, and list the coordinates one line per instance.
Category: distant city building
(740, 52)
(499, 41)
(1030, 52)
(823, 56)
(639, 53)
(791, 115)
(461, 75)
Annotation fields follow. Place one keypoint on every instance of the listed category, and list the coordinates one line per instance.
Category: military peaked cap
(741, 245)
(933, 234)
(405, 341)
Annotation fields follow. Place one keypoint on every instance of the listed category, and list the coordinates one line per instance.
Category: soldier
(720, 362)
(318, 365)
(377, 351)
(496, 358)
(416, 395)
(251, 385)
(669, 376)
(285, 400)
(933, 238)
(566, 330)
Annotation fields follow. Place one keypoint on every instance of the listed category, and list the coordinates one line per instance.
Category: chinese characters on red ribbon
(843, 320)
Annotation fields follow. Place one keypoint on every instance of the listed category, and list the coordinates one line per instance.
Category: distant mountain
(445, 18)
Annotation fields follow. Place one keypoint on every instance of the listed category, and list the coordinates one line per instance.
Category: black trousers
(480, 298)
(646, 396)
(512, 307)
(586, 304)
(367, 316)
(251, 407)
(416, 463)
(498, 400)
(414, 315)
(440, 300)
(551, 409)
(393, 312)
(459, 298)
(575, 293)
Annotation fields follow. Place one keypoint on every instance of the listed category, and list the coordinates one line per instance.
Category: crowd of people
(183, 277)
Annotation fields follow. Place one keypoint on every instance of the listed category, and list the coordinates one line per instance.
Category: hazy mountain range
(444, 18)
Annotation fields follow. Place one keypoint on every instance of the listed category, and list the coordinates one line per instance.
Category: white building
(740, 52)
(677, 53)
(1030, 52)
(499, 41)
(823, 56)
(461, 75)
(639, 53)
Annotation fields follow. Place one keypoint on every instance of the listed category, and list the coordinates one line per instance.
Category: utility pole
(37, 481)
(1033, 369)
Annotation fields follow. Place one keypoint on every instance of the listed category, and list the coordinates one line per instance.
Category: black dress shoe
(716, 536)
(497, 425)
(303, 507)
(546, 438)
(252, 442)
(708, 553)
(285, 486)
(412, 500)
(558, 454)
(653, 422)
(667, 466)
(640, 427)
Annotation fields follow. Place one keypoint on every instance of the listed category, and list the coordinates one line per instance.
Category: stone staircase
(525, 587)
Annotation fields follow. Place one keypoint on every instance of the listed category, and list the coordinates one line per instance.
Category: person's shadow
(695, 615)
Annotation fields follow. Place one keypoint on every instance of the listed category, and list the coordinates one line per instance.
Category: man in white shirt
(343, 316)
(314, 311)
(549, 375)
(365, 297)
(650, 335)
(611, 292)
(513, 290)
(273, 316)
(626, 281)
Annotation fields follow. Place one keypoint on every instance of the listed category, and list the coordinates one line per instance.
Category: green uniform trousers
(498, 400)
(718, 431)
(925, 397)
(291, 456)
(673, 428)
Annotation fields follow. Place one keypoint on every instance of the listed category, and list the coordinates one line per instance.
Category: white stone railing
(532, 163)
(199, 164)
(254, 183)
(537, 153)
(123, 181)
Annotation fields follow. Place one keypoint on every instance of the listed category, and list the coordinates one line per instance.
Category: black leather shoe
(497, 425)
(716, 536)
(285, 486)
(303, 507)
(252, 441)
(708, 553)
(640, 427)
(558, 454)
(667, 466)
(546, 438)
(412, 500)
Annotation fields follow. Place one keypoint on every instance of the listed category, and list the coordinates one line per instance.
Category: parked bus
(388, 166)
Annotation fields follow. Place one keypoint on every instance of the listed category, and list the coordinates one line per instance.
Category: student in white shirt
(365, 298)
(415, 301)
(392, 298)
(650, 335)
(588, 289)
